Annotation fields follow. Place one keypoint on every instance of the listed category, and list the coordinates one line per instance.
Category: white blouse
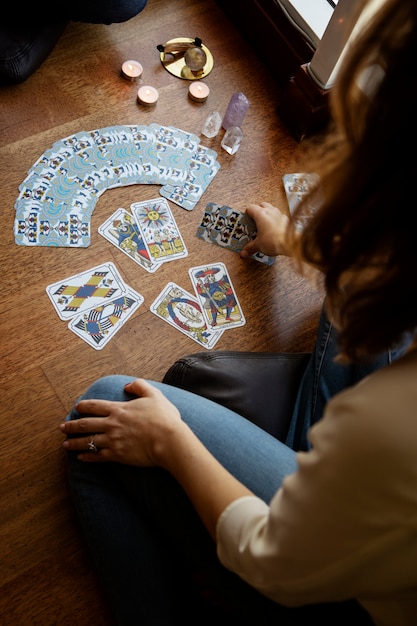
(345, 524)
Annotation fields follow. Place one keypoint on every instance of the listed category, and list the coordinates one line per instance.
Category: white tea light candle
(148, 96)
(132, 70)
(198, 91)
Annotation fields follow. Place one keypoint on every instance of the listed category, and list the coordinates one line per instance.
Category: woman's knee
(24, 46)
(105, 11)
(126, 9)
(109, 388)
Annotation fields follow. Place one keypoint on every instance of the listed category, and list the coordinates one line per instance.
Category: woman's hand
(136, 432)
(271, 226)
(148, 431)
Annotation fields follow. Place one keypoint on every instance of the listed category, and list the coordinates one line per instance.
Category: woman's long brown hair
(363, 233)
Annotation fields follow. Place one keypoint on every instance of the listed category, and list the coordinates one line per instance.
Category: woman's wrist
(172, 445)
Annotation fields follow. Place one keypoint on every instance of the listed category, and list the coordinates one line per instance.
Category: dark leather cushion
(24, 47)
(261, 386)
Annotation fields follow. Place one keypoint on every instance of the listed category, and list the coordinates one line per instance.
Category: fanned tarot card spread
(58, 195)
(215, 292)
(230, 229)
(182, 310)
(159, 230)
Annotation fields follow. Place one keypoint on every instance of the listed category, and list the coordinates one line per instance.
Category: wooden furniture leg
(304, 105)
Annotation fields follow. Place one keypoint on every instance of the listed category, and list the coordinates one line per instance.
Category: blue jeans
(27, 37)
(103, 11)
(89, 11)
(150, 548)
(323, 379)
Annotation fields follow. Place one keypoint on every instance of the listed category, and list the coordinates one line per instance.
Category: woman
(177, 491)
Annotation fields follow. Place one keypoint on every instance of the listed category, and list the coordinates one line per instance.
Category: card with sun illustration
(159, 230)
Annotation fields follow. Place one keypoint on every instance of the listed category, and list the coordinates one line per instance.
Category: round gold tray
(175, 64)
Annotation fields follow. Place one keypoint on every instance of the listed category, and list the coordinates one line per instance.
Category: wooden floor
(46, 576)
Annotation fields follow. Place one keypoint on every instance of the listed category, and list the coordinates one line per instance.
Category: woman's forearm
(209, 486)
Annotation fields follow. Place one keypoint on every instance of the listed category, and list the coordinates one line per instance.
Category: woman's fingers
(94, 407)
(124, 431)
(89, 443)
(271, 225)
(141, 388)
(84, 425)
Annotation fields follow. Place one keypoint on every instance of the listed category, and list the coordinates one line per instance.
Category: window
(310, 17)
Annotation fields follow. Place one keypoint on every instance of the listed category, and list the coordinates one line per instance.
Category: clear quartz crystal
(236, 110)
(212, 125)
(232, 139)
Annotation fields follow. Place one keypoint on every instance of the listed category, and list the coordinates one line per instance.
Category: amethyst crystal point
(236, 110)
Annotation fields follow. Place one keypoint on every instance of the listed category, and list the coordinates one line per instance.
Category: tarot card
(203, 155)
(32, 190)
(68, 158)
(45, 170)
(88, 289)
(121, 149)
(144, 141)
(173, 147)
(131, 151)
(130, 172)
(208, 221)
(191, 142)
(168, 142)
(226, 227)
(26, 228)
(98, 325)
(73, 143)
(183, 311)
(54, 196)
(296, 187)
(112, 135)
(217, 296)
(174, 175)
(201, 167)
(263, 258)
(62, 150)
(159, 230)
(171, 136)
(69, 230)
(230, 229)
(123, 232)
(36, 228)
(188, 193)
(49, 160)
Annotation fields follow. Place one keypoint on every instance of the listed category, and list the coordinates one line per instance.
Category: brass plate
(175, 64)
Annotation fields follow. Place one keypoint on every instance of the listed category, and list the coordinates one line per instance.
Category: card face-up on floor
(98, 325)
(96, 303)
(181, 309)
(159, 230)
(123, 232)
(216, 295)
(80, 292)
